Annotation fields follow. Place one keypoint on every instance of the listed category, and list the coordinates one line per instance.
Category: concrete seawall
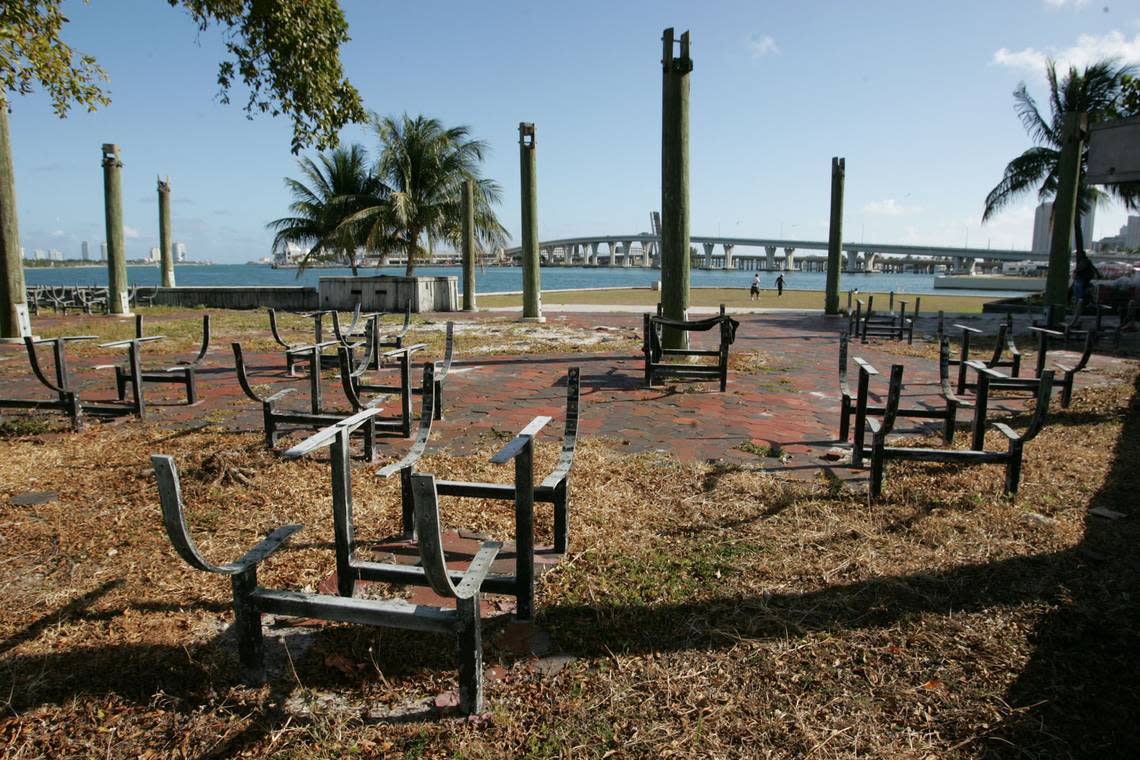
(286, 297)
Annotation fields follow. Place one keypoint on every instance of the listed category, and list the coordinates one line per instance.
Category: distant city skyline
(916, 97)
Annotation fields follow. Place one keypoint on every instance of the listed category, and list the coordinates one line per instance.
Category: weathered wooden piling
(532, 288)
(165, 245)
(675, 186)
(117, 295)
(835, 235)
(14, 321)
(469, 245)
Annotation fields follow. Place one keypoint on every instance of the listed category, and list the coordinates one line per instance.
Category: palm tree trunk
(1078, 233)
(413, 236)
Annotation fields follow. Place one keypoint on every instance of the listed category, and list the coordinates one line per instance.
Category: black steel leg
(470, 655)
(247, 626)
(561, 516)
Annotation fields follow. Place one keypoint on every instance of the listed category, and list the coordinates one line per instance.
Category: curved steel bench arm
(243, 379)
(424, 433)
(273, 329)
(944, 375)
(173, 519)
(569, 431)
(432, 557)
(33, 359)
(205, 343)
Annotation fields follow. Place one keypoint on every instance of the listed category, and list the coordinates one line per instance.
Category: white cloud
(1063, 3)
(130, 232)
(58, 233)
(1088, 49)
(889, 207)
(762, 46)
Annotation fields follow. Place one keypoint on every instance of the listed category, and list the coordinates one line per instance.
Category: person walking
(1083, 274)
(780, 285)
(754, 292)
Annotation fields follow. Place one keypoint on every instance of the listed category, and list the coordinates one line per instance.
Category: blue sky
(916, 96)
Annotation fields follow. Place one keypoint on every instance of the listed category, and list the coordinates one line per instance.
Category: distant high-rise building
(155, 254)
(1131, 232)
(55, 254)
(23, 253)
(102, 251)
(40, 254)
(85, 248)
(180, 252)
(1043, 228)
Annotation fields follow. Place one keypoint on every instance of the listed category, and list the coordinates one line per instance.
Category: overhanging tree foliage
(285, 52)
(1100, 91)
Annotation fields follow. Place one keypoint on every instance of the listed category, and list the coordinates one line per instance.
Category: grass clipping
(710, 610)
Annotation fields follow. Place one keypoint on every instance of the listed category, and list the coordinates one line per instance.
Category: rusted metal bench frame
(1126, 320)
(273, 418)
(1068, 374)
(181, 374)
(655, 353)
(1125, 317)
(1011, 458)
(133, 369)
(1003, 342)
(251, 601)
(442, 367)
(859, 406)
(354, 385)
(66, 400)
(350, 569)
(554, 489)
(379, 340)
(298, 353)
(890, 325)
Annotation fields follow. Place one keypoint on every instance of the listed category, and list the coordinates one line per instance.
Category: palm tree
(340, 183)
(425, 165)
(1094, 91)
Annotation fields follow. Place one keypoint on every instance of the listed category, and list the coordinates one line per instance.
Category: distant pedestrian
(780, 285)
(1083, 274)
(754, 293)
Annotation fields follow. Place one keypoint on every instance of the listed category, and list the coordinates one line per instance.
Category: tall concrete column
(165, 244)
(594, 253)
(789, 259)
(14, 321)
(1074, 129)
(709, 249)
(769, 257)
(675, 185)
(627, 249)
(728, 261)
(852, 260)
(647, 254)
(835, 235)
(117, 297)
(469, 245)
(532, 289)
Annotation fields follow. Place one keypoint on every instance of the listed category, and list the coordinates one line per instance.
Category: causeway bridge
(772, 254)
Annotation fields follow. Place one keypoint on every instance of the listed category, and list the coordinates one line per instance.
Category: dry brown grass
(712, 610)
